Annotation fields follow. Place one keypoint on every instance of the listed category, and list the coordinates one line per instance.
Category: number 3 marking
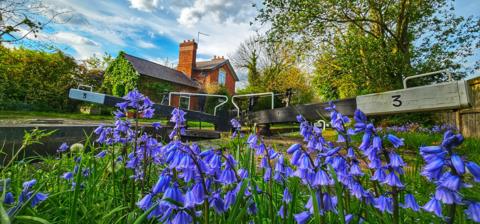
(396, 101)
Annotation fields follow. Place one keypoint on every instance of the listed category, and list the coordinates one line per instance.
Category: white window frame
(180, 101)
(224, 77)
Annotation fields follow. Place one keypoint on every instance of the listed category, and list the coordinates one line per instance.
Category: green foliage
(370, 46)
(211, 102)
(120, 77)
(37, 80)
(155, 90)
(272, 67)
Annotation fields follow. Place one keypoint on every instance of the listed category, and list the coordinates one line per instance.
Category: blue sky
(152, 29)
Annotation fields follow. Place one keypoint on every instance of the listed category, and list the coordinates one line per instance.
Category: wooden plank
(311, 112)
(451, 95)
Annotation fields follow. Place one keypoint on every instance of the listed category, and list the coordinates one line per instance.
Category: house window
(184, 102)
(221, 77)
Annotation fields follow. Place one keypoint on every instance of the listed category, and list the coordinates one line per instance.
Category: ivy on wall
(120, 77)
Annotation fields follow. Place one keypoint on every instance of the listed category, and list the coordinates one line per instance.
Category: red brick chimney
(187, 57)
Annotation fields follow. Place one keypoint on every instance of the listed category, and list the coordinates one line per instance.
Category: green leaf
(31, 219)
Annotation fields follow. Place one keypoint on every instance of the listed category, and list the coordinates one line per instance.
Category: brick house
(189, 76)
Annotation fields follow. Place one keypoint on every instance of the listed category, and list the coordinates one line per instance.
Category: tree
(90, 71)
(272, 67)
(21, 18)
(120, 77)
(372, 43)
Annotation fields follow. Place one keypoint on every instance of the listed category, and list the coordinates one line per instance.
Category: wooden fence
(466, 120)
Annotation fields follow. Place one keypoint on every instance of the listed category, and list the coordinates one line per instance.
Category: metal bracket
(252, 94)
(85, 86)
(199, 94)
(446, 71)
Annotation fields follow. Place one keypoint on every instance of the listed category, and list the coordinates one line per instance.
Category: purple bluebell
(396, 141)
(293, 148)
(302, 217)
(101, 154)
(146, 202)
(287, 197)
(473, 211)
(395, 160)
(174, 193)
(37, 198)
(182, 218)
(379, 175)
(474, 170)
(9, 199)
(63, 147)
(29, 184)
(384, 204)
(281, 212)
(410, 202)
(156, 125)
(434, 207)
(447, 196)
(393, 180)
(458, 164)
(227, 176)
(161, 185)
(67, 176)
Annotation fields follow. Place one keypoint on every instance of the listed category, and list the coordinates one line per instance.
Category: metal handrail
(252, 94)
(199, 94)
(324, 124)
(427, 74)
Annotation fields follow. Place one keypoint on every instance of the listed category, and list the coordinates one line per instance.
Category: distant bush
(35, 80)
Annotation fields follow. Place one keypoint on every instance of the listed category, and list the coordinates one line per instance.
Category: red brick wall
(212, 78)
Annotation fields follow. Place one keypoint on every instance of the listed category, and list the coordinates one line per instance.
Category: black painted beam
(161, 111)
(311, 112)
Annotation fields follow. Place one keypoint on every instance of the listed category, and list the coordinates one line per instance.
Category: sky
(152, 29)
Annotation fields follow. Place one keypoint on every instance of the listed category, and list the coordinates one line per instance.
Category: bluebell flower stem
(451, 213)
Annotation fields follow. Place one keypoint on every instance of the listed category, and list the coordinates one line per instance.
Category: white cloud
(83, 46)
(144, 5)
(221, 10)
(144, 44)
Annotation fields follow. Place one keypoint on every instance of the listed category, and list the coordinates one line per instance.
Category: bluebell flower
(63, 147)
(156, 125)
(384, 204)
(182, 218)
(287, 197)
(302, 217)
(396, 141)
(281, 212)
(411, 203)
(9, 199)
(433, 206)
(458, 164)
(473, 211)
(217, 203)
(379, 175)
(29, 184)
(101, 154)
(146, 202)
(393, 180)
(450, 181)
(174, 193)
(67, 175)
(395, 160)
(161, 185)
(447, 196)
(227, 176)
(37, 198)
(474, 170)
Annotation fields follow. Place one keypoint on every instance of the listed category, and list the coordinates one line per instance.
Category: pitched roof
(214, 64)
(158, 71)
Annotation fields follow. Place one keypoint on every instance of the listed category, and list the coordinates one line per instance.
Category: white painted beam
(450, 95)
